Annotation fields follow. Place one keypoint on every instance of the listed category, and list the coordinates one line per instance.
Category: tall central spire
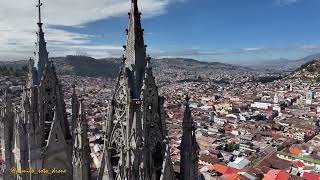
(135, 50)
(42, 54)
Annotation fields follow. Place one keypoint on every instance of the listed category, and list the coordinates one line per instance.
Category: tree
(229, 147)
(11, 70)
(5, 71)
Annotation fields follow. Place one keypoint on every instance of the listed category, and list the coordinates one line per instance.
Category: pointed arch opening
(157, 157)
(115, 155)
(115, 146)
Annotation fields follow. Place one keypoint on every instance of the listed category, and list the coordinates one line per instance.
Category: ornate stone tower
(75, 110)
(48, 129)
(6, 137)
(81, 149)
(135, 145)
(41, 137)
(20, 145)
(189, 147)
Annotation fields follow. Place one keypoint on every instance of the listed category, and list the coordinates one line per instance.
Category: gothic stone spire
(134, 147)
(50, 96)
(7, 100)
(56, 153)
(6, 136)
(187, 119)
(189, 147)
(20, 148)
(75, 109)
(81, 149)
(135, 50)
(32, 78)
(42, 54)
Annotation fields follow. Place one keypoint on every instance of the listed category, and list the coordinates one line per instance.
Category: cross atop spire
(39, 9)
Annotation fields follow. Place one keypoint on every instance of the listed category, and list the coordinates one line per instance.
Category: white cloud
(96, 51)
(196, 52)
(285, 2)
(251, 49)
(310, 47)
(18, 22)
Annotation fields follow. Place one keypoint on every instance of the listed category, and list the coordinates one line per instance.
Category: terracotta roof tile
(223, 169)
(276, 175)
(310, 176)
(294, 151)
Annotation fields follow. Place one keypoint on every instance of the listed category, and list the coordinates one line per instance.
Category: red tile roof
(228, 128)
(233, 176)
(310, 176)
(294, 151)
(300, 164)
(223, 169)
(276, 175)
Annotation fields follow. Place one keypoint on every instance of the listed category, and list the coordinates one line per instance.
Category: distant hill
(109, 67)
(14, 64)
(282, 64)
(181, 63)
(87, 66)
(308, 71)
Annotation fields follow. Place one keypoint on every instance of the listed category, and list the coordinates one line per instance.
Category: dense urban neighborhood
(77, 117)
(245, 129)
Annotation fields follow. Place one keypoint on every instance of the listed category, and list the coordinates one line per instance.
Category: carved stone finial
(5, 93)
(123, 59)
(187, 98)
(74, 85)
(81, 100)
(148, 59)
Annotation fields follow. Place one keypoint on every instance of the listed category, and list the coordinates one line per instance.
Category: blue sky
(211, 30)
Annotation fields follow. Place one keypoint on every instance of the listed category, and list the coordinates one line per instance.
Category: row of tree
(11, 71)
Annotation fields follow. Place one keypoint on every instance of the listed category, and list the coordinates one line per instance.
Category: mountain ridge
(307, 71)
(283, 64)
(109, 67)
